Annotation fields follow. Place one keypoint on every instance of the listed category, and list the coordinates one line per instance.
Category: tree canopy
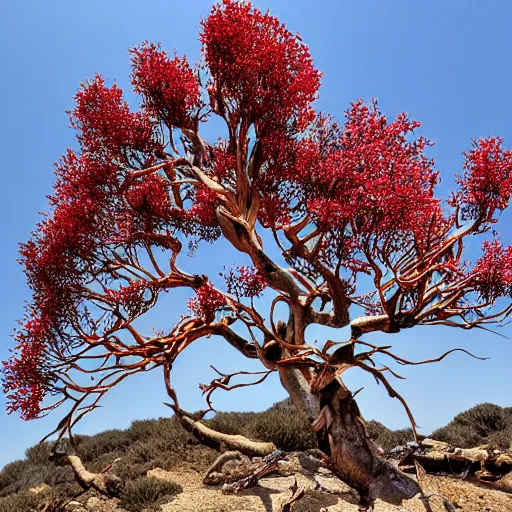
(342, 201)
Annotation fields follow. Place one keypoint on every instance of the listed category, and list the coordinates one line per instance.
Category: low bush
(376, 429)
(147, 494)
(10, 475)
(20, 502)
(284, 427)
(501, 440)
(90, 448)
(39, 453)
(393, 438)
(388, 439)
(232, 423)
(475, 426)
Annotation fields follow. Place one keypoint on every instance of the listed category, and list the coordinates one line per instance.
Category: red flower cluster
(368, 180)
(169, 87)
(206, 302)
(244, 281)
(106, 126)
(487, 181)
(149, 200)
(56, 259)
(261, 72)
(204, 207)
(131, 297)
(25, 381)
(223, 164)
(375, 180)
(492, 273)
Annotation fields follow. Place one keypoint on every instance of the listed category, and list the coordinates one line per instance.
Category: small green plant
(148, 494)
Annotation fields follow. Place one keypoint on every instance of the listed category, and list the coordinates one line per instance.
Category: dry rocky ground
(323, 491)
(163, 467)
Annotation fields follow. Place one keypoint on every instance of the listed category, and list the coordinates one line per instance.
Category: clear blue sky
(446, 63)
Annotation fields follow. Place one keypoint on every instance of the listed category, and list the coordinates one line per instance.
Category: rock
(436, 445)
(309, 462)
(94, 504)
(40, 489)
(76, 506)
(505, 459)
(474, 454)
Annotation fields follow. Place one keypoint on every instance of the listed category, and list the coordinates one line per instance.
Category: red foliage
(168, 86)
(369, 181)
(492, 273)
(56, 259)
(375, 179)
(107, 127)
(25, 379)
(244, 281)
(362, 196)
(260, 71)
(203, 209)
(486, 184)
(131, 297)
(150, 203)
(206, 302)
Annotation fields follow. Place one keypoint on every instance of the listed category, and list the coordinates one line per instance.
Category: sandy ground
(273, 491)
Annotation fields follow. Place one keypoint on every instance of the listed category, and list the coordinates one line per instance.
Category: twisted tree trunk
(341, 435)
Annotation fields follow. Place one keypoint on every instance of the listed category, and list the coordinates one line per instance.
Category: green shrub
(39, 453)
(232, 423)
(283, 426)
(93, 447)
(10, 475)
(99, 464)
(165, 429)
(388, 439)
(375, 429)
(20, 502)
(148, 494)
(393, 438)
(21, 476)
(458, 435)
(474, 426)
(501, 440)
(129, 469)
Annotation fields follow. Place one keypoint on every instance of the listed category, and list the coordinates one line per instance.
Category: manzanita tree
(341, 201)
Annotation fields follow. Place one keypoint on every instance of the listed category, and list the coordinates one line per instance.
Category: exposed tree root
(219, 462)
(268, 466)
(105, 483)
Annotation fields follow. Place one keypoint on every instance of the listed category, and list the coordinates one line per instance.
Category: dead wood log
(487, 467)
(105, 483)
(218, 440)
(269, 465)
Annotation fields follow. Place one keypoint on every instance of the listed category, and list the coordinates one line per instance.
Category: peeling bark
(342, 437)
(354, 457)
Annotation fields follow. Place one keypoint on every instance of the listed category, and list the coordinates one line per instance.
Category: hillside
(163, 466)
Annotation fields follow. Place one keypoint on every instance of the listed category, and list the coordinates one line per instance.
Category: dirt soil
(273, 491)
